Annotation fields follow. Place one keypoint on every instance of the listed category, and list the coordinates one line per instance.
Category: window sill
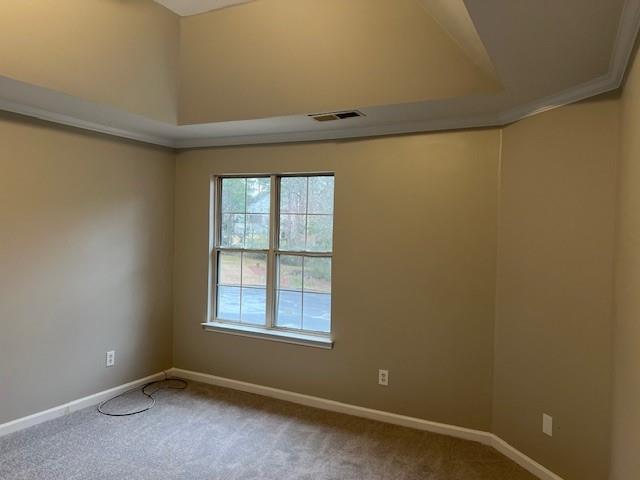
(305, 340)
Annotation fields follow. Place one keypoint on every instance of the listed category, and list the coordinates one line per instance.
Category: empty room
(319, 240)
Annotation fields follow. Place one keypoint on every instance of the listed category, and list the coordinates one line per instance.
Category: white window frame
(270, 331)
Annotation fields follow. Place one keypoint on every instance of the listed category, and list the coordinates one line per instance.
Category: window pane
(319, 233)
(229, 268)
(229, 303)
(290, 272)
(258, 195)
(289, 309)
(254, 269)
(321, 195)
(233, 195)
(232, 230)
(257, 232)
(254, 306)
(293, 195)
(292, 232)
(302, 284)
(317, 312)
(317, 275)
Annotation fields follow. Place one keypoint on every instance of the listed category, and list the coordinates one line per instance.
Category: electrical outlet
(383, 377)
(111, 358)
(547, 424)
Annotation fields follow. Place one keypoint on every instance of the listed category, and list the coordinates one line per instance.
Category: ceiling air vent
(330, 117)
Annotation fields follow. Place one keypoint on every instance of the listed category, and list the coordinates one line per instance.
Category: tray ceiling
(545, 54)
(193, 7)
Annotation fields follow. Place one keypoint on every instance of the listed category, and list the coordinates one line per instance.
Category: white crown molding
(44, 104)
(620, 58)
(354, 132)
(625, 41)
(71, 121)
(30, 100)
(597, 86)
(621, 55)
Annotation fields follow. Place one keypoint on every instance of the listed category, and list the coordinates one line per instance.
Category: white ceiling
(453, 17)
(193, 7)
(545, 53)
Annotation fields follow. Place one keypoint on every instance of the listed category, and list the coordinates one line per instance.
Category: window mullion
(216, 227)
(271, 257)
(218, 212)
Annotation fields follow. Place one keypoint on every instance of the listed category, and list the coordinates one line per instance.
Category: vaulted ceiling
(194, 7)
(219, 72)
(273, 58)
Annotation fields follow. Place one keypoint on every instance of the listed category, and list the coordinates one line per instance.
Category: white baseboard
(485, 438)
(528, 463)
(333, 406)
(62, 410)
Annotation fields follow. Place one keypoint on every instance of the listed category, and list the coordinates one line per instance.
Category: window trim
(270, 331)
(276, 335)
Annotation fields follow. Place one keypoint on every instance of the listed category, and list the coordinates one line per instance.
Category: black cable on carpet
(162, 385)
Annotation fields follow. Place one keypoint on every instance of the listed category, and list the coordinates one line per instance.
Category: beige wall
(424, 226)
(116, 52)
(554, 298)
(86, 255)
(554, 287)
(86, 238)
(413, 275)
(626, 405)
(281, 57)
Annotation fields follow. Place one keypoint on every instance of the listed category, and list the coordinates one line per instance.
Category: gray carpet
(213, 433)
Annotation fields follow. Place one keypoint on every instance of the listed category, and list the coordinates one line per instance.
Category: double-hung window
(271, 255)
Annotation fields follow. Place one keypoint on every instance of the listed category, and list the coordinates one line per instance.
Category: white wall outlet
(383, 377)
(547, 424)
(111, 358)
